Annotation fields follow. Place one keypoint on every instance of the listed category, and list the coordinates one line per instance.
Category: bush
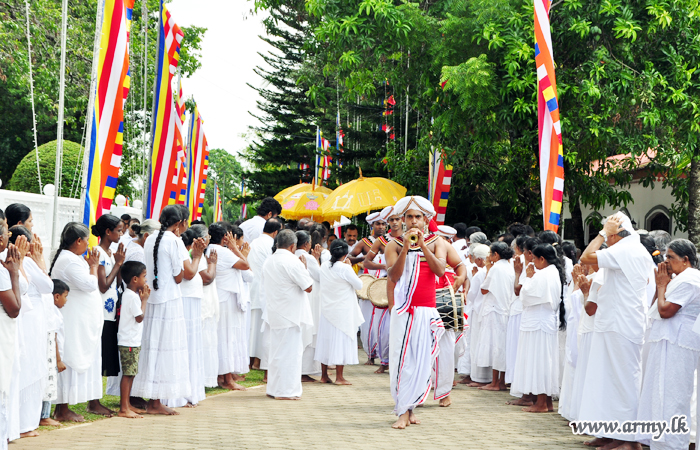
(25, 178)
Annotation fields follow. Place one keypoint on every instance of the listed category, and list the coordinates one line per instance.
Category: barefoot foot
(476, 384)
(156, 407)
(307, 379)
(597, 442)
(287, 398)
(445, 402)
(49, 423)
(32, 433)
(97, 408)
(536, 409)
(401, 423)
(465, 380)
(382, 369)
(129, 414)
(490, 387)
(370, 362)
(520, 402)
(325, 380)
(412, 419)
(342, 381)
(66, 415)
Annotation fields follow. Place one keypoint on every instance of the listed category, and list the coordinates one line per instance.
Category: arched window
(593, 226)
(658, 218)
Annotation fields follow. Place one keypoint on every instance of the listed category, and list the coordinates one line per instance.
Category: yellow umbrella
(299, 188)
(302, 201)
(360, 196)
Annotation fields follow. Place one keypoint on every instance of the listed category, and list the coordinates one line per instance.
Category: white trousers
(284, 366)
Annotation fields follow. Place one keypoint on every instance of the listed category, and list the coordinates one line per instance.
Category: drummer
(452, 343)
(377, 266)
(357, 255)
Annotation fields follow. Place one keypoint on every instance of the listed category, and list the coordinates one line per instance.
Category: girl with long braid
(83, 320)
(537, 359)
(164, 371)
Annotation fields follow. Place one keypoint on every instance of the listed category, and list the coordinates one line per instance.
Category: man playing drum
(378, 264)
(413, 261)
(361, 249)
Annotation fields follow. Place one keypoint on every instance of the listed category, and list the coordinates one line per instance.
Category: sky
(229, 55)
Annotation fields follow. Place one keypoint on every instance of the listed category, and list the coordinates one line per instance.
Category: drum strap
(455, 316)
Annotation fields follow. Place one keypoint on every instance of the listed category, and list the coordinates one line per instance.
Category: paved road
(327, 417)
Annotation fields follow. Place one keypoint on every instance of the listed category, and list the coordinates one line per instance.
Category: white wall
(645, 199)
(42, 212)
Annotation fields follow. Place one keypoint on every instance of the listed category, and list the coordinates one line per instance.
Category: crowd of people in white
(165, 308)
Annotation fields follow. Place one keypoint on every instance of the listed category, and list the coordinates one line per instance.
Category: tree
(25, 177)
(225, 172)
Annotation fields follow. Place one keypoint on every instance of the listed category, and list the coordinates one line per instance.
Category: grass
(253, 378)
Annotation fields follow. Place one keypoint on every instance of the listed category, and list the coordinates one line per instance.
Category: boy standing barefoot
(130, 331)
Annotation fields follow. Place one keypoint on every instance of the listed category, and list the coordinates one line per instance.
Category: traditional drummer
(376, 265)
(358, 255)
(416, 326)
(452, 343)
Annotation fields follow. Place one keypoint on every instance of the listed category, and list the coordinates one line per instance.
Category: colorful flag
(244, 208)
(198, 166)
(181, 150)
(549, 127)
(440, 179)
(162, 181)
(107, 138)
(339, 135)
(218, 210)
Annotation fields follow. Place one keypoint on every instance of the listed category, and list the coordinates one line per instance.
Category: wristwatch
(602, 233)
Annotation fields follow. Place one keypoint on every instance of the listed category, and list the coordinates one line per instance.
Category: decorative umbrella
(360, 196)
(302, 200)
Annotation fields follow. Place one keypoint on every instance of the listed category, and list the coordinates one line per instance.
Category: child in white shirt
(130, 330)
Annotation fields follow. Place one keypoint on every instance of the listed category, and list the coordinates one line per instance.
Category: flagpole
(405, 143)
(318, 138)
(59, 129)
(144, 15)
(91, 109)
(146, 205)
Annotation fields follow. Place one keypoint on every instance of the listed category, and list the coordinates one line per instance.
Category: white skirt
(492, 341)
(255, 345)
(584, 350)
(613, 381)
(536, 365)
(210, 351)
(566, 391)
(667, 390)
(74, 387)
(30, 404)
(512, 335)
(383, 335)
(193, 320)
(164, 369)
(367, 309)
(232, 340)
(465, 361)
(284, 371)
(444, 366)
(478, 374)
(333, 347)
(50, 391)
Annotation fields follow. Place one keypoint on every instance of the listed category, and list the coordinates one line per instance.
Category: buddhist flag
(111, 90)
(218, 210)
(162, 181)
(181, 160)
(244, 207)
(198, 165)
(440, 179)
(549, 127)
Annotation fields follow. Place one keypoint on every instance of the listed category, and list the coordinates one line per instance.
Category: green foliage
(16, 136)
(226, 172)
(25, 177)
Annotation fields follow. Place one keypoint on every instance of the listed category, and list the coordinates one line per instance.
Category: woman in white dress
(497, 289)
(164, 370)
(231, 253)
(674, 349)
(336, 343)
(83, 320)
(134, 248)
(309, 365)
(192, 292)
(32, 331)
(537, 360)
(516, 307)
(10, 305)
(480, 376)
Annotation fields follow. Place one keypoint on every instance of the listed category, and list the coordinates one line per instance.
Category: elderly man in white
(613, 382)
(286, 278)
(260, 250)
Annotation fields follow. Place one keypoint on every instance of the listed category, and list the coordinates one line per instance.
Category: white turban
(371, 218)
(480, 251)
(416, 202)
(447, 231)
(386, 213)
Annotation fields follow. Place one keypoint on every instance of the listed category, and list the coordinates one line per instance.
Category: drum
(377, 293)
(450, 305)
(366, 281)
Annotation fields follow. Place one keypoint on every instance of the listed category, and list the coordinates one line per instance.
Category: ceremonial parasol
(302, 200)
(360, 196)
